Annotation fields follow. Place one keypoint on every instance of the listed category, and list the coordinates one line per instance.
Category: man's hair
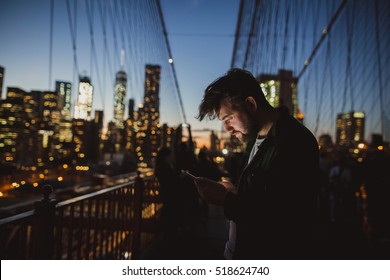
(233, 88)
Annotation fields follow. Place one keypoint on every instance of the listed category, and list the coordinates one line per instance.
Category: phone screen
(187, 173)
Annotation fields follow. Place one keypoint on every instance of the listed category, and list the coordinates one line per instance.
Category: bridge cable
(51, 41)
(324, 33)
(295, 44)
(251, 34)
(170, 57)
(106, 54)
(254, 43)
(73, 35)
(275, 45)
(286, 30)
(348, 84)
(237, 34)
(379, 65)
(93, 49)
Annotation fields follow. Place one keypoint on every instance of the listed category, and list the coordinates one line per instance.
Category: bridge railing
(112, 223)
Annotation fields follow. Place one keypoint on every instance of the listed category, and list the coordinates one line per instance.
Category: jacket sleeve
(230, 206)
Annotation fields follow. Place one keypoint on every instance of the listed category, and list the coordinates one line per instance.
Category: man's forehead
(224, 111)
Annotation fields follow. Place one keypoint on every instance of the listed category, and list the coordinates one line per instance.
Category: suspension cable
(324, 33)
(170, 57)
(237, 34)
(51, 40)
(380, 81)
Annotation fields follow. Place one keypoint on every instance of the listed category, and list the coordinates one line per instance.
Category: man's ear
(251, 103)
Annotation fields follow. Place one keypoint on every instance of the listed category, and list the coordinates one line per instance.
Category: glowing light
(35, 184)
(361, 145)
(225, 151)
(170, 60)
(60, 179)
(358, 115)
(82, 168)
(127, 255)
(41, 176)
(356, 151)
(65, 166)
(380, 148)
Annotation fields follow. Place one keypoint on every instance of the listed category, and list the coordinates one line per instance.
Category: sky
(200, 32)
(200, 59)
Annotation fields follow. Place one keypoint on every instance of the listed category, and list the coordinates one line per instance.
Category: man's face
(238, 123)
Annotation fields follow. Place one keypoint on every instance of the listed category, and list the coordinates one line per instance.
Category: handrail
(92, 194)
(16, 217)
(102, 224)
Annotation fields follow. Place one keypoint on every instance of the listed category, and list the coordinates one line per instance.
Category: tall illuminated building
(98, 120)
(85, 141)
(64, 92)
(116, 134)
(49, 125)
(83, 107)
(130, 114)
(50, 112)
(12, 126)
(64, 137)
(148, 136)
(281, 90)
(129, 129)
(119, 98)
(350, 128)
(2, 70)
(167, 134)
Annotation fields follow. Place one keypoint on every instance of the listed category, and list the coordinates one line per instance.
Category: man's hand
(211, 191)
(229, 186)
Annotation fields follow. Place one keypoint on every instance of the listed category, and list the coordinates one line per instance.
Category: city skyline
(192, 30)
(201, 36)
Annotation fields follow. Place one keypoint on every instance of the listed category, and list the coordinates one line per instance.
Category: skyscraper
(350, 128)
(1, 80)
(119, 98)
(83, 107)
(12, 127)
(281, 90)
(129, 129)
(167, 136)
(148, 136)
(64, 92)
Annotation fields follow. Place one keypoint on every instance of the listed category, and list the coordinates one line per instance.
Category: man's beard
(252, 127)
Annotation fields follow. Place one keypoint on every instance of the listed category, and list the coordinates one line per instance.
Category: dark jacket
(275, 208)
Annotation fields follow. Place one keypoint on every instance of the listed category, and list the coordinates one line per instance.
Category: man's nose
(227, 127)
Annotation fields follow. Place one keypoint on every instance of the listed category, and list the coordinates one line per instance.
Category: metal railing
(112, 223)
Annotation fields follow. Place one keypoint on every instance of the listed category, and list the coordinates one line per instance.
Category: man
(274, 207)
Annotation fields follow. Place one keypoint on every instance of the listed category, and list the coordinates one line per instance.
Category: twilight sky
(201, 35)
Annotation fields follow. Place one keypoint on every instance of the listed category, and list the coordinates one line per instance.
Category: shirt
(231, 243)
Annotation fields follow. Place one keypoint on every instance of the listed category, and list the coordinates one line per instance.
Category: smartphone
(187, 173)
